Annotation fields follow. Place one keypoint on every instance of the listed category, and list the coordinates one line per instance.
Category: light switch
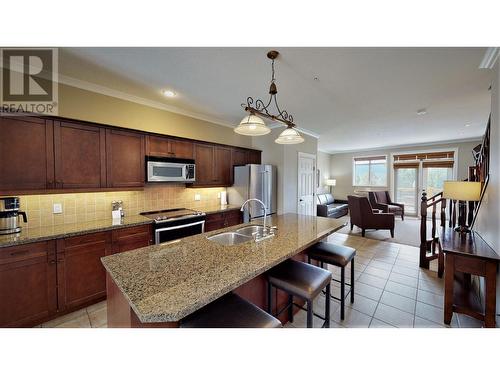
(57, 209)
(197, 197)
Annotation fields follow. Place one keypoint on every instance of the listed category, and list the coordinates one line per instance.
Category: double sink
(251, 233)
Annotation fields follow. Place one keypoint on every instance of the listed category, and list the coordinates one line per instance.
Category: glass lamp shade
(289, 136)
(462, 190)
(252, 125)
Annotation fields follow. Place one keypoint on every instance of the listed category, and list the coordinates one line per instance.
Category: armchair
(364, 217)
(382, 200)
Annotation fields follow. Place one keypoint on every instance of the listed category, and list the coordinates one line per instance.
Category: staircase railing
(430, 248)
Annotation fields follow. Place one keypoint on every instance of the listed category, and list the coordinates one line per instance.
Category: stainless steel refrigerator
(254, 181)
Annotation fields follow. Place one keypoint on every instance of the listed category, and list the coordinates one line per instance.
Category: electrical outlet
(57, 208)
(197, 197)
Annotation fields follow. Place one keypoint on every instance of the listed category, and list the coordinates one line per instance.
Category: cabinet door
(132, 238)
(240, 157)
(27, 284)
(157, 146)
(254, 157)
(182, 149)
(81, 277)
(223, 166)
(204, 158)
(80, 156)
(26, 153)
(125, 159)
(234, 218)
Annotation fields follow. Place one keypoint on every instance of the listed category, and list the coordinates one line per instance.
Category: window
(370, 171)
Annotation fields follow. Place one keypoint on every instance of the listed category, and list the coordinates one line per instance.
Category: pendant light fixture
(254, 125)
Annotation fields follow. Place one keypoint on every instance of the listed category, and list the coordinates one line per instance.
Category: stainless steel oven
(170, 225)
(170, 170)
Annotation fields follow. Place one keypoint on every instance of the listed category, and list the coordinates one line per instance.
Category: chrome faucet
(263, 206)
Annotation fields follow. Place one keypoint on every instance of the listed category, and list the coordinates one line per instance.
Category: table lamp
(331, 182)
(462, 191)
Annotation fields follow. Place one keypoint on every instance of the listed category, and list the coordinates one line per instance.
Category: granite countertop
(166, 282)
(51, 232)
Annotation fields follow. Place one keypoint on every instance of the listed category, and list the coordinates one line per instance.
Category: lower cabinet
(28, 284)
(224, 219)
(81, 277)
(42, 280)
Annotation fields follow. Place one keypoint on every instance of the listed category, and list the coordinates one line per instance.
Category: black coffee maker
(10, 215)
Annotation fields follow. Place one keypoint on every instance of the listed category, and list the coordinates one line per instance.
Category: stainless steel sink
(229, 238)
(251, 230)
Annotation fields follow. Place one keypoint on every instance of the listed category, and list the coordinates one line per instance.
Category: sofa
(328, 206)
(365, 217)
(381, 200)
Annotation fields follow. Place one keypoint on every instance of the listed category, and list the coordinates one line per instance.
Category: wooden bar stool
(340, 256)
(301, 280)
(230, 311)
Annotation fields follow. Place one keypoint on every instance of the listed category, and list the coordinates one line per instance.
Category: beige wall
(341, 164)
(323, 164)
(488, 221)
(86, 105)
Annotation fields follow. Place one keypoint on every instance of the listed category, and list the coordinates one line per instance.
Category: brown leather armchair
(382, 200)
(364, 217)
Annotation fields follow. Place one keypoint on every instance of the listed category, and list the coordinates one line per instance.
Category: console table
(466, 255)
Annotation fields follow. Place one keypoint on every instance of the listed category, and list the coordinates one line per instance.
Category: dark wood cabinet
(125, 156)
(81, 277)
(224, 219)
(27, 284)
(26, 153)
(126, 239)
(240, 156)
(169, 147)
(213, 165)
(80, 156)
(254, 156)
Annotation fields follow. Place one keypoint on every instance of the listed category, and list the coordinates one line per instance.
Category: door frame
(309, 156)
(420, 169)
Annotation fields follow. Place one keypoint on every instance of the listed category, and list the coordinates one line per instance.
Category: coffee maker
(10, 215)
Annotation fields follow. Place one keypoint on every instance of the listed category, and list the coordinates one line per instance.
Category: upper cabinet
(125, 156)
(213, 165)
(26, 153)
(169, 147)
(79, 155)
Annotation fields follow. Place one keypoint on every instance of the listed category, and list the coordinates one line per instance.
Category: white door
(306, 184)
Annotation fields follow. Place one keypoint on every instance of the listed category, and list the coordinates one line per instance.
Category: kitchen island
(157, 286)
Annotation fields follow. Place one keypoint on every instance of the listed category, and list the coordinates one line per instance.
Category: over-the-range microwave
(170, 170)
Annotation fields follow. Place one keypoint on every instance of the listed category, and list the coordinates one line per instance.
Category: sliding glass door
(406, 187)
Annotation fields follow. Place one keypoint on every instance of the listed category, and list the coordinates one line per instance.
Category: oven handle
(157, 231)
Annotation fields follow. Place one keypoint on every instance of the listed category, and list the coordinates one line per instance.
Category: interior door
(406, 187)
(306, 183)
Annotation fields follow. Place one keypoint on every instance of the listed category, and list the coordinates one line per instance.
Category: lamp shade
(462, 190)
(289, 136)
(331, 182)
(252, 125)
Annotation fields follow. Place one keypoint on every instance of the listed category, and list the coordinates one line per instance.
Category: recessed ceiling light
(467, 125)
(422, 112)
(168, 93)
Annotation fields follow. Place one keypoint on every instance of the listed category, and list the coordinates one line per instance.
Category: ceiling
(351, 98)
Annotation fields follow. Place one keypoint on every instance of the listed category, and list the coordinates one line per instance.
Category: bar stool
(230, 311)
(301, 280)
(340, 256)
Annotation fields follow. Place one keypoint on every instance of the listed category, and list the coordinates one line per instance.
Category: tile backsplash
(81, 207)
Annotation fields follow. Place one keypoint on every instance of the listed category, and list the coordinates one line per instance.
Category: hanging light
(252, 125)
(289, 136)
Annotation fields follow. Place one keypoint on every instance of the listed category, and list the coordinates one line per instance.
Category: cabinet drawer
(23, 252)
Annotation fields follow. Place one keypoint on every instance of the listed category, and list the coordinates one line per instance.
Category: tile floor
(390, 291)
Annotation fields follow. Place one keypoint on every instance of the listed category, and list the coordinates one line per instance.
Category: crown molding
(99, 89)
(489, 59)
(397, 147)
